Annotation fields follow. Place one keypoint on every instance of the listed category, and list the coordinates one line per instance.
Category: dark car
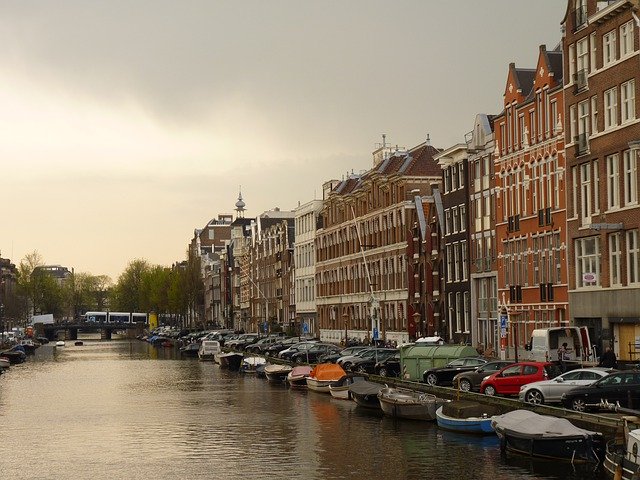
(311, 355)
(367, 364)
(333, 357)
(389, 367)
(243, 341)
(620, 387)
(295, 348)
(444, 375)
(470, 381)
(282, 344)
(261, 345)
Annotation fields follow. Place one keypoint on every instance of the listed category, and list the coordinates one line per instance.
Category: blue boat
(479, 425)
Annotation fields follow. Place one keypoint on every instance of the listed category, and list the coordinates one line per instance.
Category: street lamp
(418, 321)
(346, 326)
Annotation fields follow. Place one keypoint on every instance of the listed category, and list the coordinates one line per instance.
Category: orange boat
(324, 375)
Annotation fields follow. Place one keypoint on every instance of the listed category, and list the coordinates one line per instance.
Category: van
(544, 343)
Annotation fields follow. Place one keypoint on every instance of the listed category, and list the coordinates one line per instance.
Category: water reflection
(124, 409)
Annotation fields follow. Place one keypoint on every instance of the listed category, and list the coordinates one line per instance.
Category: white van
(544, 344)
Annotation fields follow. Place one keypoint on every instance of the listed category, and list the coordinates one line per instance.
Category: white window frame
(613, 181)
(630, 168)
(626, 39)
(587, 263)
(610, 108)
(608, 48)
(633, 255)
(585, 193)
(594, 114)
(628, 101)
(594, 52)
(615, 257)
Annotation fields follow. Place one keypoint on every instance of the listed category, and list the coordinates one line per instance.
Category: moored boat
(4, 363)
(409, 404)
(365, 394)
(190, 350)
(29, 345)
(276, 373)
(208, 349)
(249, 364)
(297, 378)
(472, 424)
(323, 376)
(230, 360)
(341, 388)
(542, 436)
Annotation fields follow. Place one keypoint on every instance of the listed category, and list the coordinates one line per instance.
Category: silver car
(550, 391)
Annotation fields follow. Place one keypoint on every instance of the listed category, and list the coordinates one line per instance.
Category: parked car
(311, 355)
(261, 345)
(367, 364)
(388, 367)
(550, 391)
(282, 344)
(346, 360)
(333, 357)
(470, 381)
(444, 375)
(618, 387)
(509, 380)
(242, 341)
(295, 348)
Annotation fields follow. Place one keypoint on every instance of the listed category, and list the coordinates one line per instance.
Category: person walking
(608, 359)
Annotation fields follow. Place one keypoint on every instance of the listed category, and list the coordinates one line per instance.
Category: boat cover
(327, 371)
(365, 388)
(275, 368)
(530, 423)
(301, 370)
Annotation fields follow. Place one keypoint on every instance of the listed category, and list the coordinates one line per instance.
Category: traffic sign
(265, 326)
(305, 327)
(375, 333)
(503, 320)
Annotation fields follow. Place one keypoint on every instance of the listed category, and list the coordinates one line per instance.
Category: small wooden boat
(249, 364)
(14, 355)
(297, 378)
(365, 394)
(323, 376)
(208, 349)
(479, 424)
(409, 404)
(341, 389)
(543, 436)
(277, 373)
(230, 360)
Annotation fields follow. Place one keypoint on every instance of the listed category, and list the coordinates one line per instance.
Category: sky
(125, 125)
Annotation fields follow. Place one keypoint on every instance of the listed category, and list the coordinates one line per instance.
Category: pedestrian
(608, 359)
(563, 356)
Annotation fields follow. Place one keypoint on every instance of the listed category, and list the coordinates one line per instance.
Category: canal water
(125, 410)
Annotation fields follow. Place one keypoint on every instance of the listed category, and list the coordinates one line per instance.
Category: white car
(550, 391)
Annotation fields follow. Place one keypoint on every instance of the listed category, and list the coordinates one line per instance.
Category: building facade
(530, 209)
(602, 59)
(361, 249)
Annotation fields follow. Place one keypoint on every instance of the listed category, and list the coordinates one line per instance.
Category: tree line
(142, 287)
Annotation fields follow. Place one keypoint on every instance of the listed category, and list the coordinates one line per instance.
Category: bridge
(70, 329)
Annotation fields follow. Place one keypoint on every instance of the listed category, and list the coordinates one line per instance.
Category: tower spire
(240, 205)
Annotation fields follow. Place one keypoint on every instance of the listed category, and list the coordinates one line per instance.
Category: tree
(43, 293)
(127, 295)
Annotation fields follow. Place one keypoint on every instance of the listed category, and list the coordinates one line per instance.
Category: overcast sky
(125, 125)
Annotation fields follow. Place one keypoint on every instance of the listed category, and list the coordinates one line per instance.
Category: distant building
(57, 272)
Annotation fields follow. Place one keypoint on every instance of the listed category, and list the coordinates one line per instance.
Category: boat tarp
(365, 388)
(530, 423)
(301, 370)
(327, 371)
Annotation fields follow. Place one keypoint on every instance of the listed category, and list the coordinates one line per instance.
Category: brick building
(530, 208)
(361, 249)
(602, 59)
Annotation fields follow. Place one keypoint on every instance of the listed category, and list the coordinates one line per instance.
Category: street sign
(305, 327)
(265, 327)
(503, 320)
(375, 333)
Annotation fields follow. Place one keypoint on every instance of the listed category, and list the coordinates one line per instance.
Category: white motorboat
(208, 349)
(60, 343)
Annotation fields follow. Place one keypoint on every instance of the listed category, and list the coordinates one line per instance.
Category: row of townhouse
(534, 216)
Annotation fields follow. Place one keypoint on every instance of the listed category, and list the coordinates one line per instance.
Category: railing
(581, 80)
(580, 16)
(582, 143)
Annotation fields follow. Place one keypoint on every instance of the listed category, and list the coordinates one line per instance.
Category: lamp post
(417, 320)
(345, 317)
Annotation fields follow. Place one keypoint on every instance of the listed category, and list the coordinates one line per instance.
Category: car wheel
(383, 372)
(299, 360)
(361, 369)
(432, 379)
(535, 397)
(346, 366)
(465, 385)
(490, 390)
(578, 404)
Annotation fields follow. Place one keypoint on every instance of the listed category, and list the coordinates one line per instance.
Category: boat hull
(408, 405)
(277, 373)
(321, 386)
(232, 361)
(476, 425)
(615, 463)
(341, 393)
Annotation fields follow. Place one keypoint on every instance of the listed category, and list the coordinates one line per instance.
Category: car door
(446, 373)
(506, 381)
(553, 389)
(610, 388)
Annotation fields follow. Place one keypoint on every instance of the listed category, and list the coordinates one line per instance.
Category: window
(467, 312)
(554, 117)
(630, 177)
(574, 191)
(447, 180)
(456, 219)
(628, 100)
(456, 266)
(610, 108)
(609, 48)
(574, 122)
(632, 256)
(582, 61)
(449, 263)
(447, 224)
(583, 118)
(615, 255)
(454, 177)
(465, 266)
(587, 262)
(596, 187)
(572, 65)
(463, 218)
(593, 56)
(594, 114)
(626, 39)
(613, 181)
(585, 193)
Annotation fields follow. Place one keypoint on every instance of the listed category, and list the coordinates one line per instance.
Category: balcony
(582, 144)
(580, 16)
(581, 80)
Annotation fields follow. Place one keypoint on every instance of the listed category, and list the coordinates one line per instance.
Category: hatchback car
(509, 380)
(311, 355)
(470, 381)
(550, 391)
(389, 367)
(367, 364)
(618, 387)
(295, 348)
(444, 375)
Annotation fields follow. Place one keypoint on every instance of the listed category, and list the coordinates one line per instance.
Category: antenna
(384, 140)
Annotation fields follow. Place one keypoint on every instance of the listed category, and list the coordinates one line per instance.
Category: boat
(276, 373)
(208, 349)
(230, 360)
(409, 404)
(297, 377)
(4, 363)
(29, 345)
(190, 350)
(249, 364)
(543, 436)
(457, 417)
(621, 458)
(15, 355)
(341, 389)
(60, 343)
(324, 375)
(79, 343)
(260, 370)
(365, 394)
